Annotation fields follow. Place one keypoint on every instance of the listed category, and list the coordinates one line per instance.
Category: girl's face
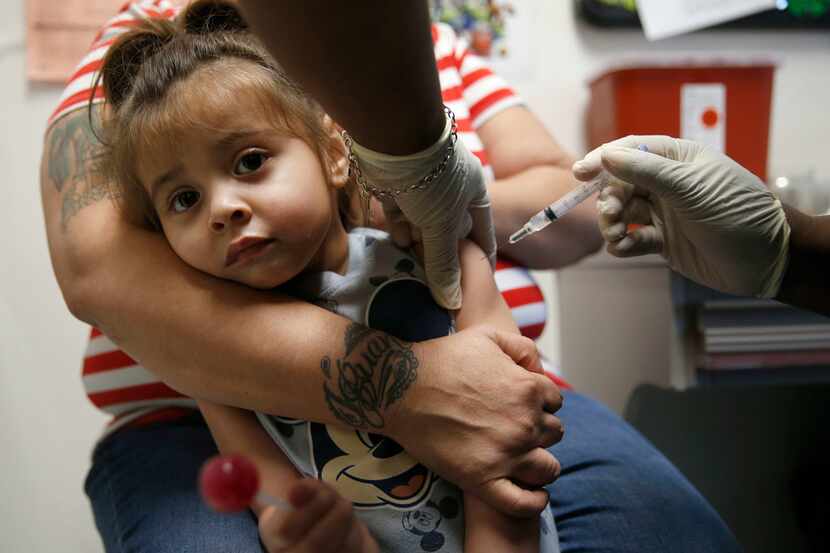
(250, 203)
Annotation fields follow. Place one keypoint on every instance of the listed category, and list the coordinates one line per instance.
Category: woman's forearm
(805, 280)
(207, 338)
(213, 339)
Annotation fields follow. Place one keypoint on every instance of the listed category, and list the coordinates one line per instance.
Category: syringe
(560, 207)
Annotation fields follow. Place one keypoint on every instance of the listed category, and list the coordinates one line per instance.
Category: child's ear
(337, 158)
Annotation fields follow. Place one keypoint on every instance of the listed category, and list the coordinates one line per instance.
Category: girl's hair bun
(212, 16)
(124, 60)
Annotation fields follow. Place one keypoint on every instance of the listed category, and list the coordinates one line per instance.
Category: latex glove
(711, 219)
(453, 206)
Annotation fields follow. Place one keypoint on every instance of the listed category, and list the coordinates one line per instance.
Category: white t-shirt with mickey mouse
(407, 507)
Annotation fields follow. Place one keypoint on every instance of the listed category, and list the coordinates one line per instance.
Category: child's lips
(245, 248)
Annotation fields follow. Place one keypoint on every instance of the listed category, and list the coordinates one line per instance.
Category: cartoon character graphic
(404, 268)
(426, 520)
(369, 469)
(402, 306)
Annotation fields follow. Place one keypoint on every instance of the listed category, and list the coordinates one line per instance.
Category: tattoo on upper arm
(374, 372)
(72, 153)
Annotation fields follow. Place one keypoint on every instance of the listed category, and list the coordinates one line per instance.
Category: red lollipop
(230, 483)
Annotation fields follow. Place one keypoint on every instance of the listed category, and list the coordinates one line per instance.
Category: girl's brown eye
(182, 201)
(249, 163)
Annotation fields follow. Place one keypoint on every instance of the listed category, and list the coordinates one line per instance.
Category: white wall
(48, 426)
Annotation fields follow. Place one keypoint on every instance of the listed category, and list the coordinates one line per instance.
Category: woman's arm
(208, 338)
(532, 171)
(223, 342)
(487, 529)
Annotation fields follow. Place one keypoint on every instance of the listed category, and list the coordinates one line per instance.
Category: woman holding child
(263, 352)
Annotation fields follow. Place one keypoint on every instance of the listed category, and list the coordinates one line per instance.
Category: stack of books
(760, 334)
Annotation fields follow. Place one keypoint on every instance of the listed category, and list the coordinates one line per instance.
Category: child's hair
(143, 105)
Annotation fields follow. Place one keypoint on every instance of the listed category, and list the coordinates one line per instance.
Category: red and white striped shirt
(120, 386)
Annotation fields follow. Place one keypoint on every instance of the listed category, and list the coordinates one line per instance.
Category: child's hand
(322, 521)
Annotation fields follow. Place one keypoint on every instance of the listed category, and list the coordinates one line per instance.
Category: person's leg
(617, 493)
(144, 494)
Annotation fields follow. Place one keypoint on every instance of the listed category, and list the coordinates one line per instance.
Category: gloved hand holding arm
(711, 219)
(441, 191)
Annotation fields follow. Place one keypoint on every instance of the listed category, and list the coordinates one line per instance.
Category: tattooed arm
(275, 344)
(141, 299)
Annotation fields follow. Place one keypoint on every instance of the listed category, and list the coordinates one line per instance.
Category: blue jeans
(616, 492)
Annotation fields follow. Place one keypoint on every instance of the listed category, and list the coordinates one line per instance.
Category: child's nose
(229, 216)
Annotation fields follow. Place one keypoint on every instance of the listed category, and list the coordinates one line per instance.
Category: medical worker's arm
(371, 65)
(486, 528)
(219, 341)
(532, 170)
(713, 221)
(805, 281)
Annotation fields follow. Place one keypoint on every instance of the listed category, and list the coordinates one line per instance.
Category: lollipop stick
(274, 501)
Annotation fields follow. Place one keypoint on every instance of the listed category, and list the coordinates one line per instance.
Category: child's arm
(486, 305)
(488, 530)
(238, 431)
(485, 528)
(322, 517)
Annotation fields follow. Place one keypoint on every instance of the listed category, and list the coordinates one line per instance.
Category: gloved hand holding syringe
(564, 204)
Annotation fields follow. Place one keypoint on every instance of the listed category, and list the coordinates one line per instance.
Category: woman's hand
(322, 521)
(713, 221)
(484, 418)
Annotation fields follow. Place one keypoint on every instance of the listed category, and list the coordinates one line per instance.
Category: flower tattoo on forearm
(375, 371)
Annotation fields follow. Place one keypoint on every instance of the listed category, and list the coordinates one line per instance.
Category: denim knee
(618, 493)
